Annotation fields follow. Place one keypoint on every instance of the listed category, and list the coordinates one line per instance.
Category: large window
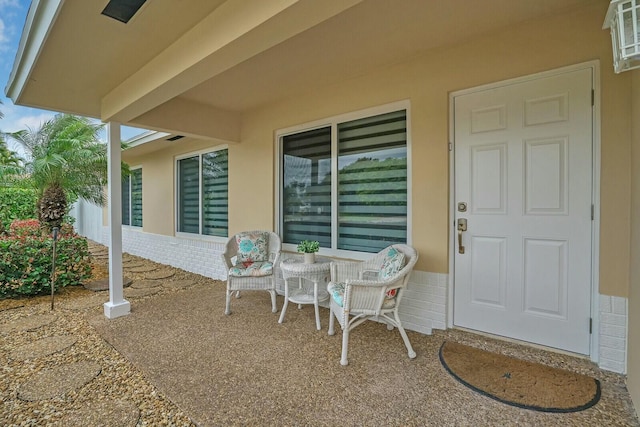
(345, 184)
(202, 194)
(132, 198)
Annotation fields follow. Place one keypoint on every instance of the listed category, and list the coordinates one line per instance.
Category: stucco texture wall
(426, 81)
(633, 356)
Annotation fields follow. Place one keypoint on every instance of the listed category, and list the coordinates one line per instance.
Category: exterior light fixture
(623, 18)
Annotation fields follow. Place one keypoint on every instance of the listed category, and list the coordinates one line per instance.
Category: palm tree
(10, 162)
(65, 160)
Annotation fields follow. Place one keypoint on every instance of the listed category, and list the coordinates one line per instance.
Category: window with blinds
(132, 198)
(372, 182)
(126, 200)
(136, 197)
(367, 163)
(203, 194)
(307, 187)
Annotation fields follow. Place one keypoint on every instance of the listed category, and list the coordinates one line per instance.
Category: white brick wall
(424, 303)
(196, 256)
(613, 334)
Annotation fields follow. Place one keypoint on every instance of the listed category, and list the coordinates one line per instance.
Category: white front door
(523, 167)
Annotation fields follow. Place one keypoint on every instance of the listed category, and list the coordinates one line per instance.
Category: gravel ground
(119, 395)
(109, 389)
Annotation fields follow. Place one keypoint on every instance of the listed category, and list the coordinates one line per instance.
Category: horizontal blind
(215, 189)
(189, 195)
(136, 197)
(126, 206)
(372, 182)
(306, 201)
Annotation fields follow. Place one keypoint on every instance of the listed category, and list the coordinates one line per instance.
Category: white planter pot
(309, 258)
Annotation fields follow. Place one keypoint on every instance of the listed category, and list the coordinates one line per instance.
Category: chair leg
(345, 346)
(332, 319)
(227, 310)
(274, 309)
(405, 338)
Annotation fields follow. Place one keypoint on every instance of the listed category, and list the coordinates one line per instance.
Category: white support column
(116, 306)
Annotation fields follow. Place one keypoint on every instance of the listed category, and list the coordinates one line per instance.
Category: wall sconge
(623, 17)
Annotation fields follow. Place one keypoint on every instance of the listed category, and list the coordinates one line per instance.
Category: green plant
(17, 203)
(309, 246)
(26, 260)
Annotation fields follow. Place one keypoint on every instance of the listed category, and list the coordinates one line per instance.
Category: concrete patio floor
(178, 360)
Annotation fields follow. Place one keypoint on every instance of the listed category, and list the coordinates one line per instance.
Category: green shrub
(17, 203)
(26, 257)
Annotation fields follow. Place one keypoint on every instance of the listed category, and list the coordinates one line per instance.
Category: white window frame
(333, 122)
(194, 236)
(130, 225)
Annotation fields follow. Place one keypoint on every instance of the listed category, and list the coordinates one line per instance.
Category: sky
(12, 18)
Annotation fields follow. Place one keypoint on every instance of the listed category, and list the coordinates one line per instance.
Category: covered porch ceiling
(193, 67)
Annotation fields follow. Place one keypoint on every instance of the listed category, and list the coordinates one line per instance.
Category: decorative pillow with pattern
(252, 247)
(392, 263)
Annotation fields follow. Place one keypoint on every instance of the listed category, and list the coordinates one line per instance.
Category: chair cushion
(336, 290)
(252, 247)
(256, 269)
(392, 263)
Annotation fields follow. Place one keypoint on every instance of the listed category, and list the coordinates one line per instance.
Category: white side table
(314, 273)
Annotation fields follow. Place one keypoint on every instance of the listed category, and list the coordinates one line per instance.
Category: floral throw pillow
(252, 247)
(392, 263)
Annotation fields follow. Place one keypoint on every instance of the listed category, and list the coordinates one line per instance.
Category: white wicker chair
(251, 276)
(357, 293)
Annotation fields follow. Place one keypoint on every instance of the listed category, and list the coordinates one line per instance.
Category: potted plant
(309, 249)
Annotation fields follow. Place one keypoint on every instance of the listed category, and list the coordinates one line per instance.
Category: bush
(17, 203)
(26, 257)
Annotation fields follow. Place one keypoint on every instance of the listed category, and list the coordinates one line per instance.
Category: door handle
(462, 227)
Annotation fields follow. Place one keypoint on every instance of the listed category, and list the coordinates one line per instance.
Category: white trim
(333, 122)
(176, 159)
(146, 137)
(595, 226)
(40, 18)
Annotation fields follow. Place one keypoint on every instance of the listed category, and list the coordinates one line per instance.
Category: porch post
(116, 306)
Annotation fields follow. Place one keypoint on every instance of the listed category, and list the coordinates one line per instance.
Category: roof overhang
(193, 68)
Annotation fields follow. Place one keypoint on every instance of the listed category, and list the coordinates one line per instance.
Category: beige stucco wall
(633, 355)
(426, 82)
(158, 183)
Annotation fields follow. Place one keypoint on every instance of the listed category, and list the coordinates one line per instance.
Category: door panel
(523, 165)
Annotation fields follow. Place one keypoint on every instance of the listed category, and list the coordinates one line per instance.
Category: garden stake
(53, 270)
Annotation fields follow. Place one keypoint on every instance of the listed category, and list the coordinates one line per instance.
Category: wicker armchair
(251, 258)
(370, 290)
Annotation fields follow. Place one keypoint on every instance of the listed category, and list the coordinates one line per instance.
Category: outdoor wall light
(623, 17)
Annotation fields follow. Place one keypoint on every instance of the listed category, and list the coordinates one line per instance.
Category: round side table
(295, 268)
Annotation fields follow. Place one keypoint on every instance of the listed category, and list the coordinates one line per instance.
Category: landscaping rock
(110, 413)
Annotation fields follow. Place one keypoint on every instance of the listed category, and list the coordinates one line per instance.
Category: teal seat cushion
(255, 269)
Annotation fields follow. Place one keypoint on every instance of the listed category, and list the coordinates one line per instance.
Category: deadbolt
(462, 207)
